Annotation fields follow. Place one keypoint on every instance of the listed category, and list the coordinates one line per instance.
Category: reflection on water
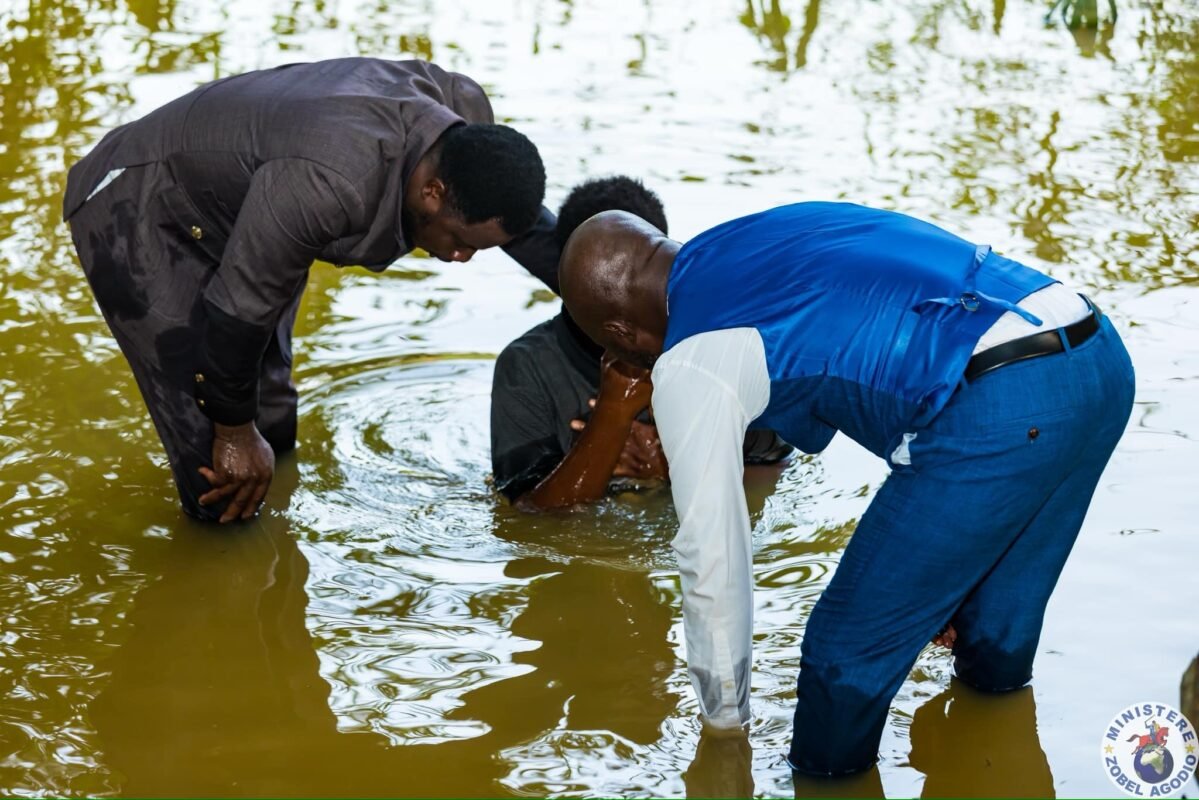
(961, 758)
(722, 767)
(218, 691)
(596, 676)
(772, 24)
(602, 660)
(863, 785)
(390, 628)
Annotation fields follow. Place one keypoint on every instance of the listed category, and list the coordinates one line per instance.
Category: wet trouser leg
(997, 637)
(150, 291)
(277, 397)
(975, 530)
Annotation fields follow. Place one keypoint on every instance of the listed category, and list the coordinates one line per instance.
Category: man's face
(441, 231)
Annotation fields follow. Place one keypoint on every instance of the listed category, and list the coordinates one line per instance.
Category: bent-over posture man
(547, 380)
(196, 226)
(995, 394)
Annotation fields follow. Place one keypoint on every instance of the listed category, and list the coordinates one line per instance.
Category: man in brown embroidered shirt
(196, 226)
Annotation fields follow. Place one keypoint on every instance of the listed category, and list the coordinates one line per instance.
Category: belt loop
(1061, 334)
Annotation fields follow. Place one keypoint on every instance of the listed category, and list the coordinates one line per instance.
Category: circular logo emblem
(1150, 750)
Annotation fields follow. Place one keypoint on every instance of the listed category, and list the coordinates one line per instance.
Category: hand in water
(243, 465)
(946, 638)
(642, 456)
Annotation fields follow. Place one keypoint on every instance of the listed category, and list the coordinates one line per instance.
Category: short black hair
(492, 172)
(617, 193)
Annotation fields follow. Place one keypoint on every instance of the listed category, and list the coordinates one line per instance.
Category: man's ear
(432, 194)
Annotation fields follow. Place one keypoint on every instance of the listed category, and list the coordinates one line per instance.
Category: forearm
(583, 475)
(537, 250)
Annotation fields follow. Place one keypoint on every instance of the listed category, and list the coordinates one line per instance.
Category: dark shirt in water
(543, 381)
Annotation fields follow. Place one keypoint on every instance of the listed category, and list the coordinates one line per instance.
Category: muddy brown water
(388, 627)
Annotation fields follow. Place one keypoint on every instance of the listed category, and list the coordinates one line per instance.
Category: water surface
(389, 627)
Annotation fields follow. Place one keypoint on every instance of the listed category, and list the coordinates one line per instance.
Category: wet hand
(242, 467)
(642, 456)
(627, 386)
(946, 638)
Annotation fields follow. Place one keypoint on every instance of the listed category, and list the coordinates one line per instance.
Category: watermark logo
(1150, 750)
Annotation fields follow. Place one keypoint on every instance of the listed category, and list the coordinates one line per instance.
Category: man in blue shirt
(995, 394)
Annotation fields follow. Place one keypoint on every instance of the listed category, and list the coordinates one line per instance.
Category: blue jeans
(974, 532)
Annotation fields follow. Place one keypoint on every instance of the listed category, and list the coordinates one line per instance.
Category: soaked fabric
(1078, 150)
(542, 382)
(974, 531)
(155, 312)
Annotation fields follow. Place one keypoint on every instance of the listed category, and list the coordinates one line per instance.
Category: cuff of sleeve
(225, 407)
(229, 363)
(729, 724)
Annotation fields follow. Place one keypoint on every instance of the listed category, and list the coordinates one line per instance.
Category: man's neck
(425, 171)
(587, 348)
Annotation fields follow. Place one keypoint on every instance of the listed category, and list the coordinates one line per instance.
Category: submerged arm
(583, 475)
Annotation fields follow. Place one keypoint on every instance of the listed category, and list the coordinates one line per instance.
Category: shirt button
(197, 232)
(199, 377)
(1033, 433)
(969, 301)
(200, 402)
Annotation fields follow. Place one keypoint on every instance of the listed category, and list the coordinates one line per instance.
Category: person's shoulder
(367, 105)
(417, 78)
(714, 351)
(727, 361)
(469, 99)
(535, 338)
(526, 354)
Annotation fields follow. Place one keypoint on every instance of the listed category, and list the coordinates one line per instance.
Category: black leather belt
(1045, 343)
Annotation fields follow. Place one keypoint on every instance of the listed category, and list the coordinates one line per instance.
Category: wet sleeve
(524, 442)
(537, 250)
(707, 390)
(294, 208)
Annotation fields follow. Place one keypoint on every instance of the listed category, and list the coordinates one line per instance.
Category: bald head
(613, 276)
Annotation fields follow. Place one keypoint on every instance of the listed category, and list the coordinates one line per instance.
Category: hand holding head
(625, 385)
(613, 275)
